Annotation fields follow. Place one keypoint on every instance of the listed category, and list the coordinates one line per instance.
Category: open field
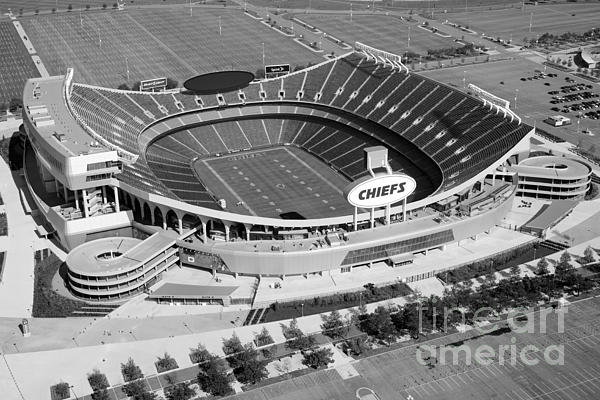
(397, 374)
(514, 22)
(380, 31)
(62, 5)
(275, 181)
(532, 95)
(152, 43)
(416, 5)
(16, 65)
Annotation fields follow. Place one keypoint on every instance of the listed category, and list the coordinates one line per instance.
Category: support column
(86, 212)
(76, 199)
(117, 204)
(142, 210)
(404, 210)
(372, 218)
(355, 220)
(247, 227)
(164, 220)
(180, 222)
(103, 194)
(227, 228)
(388, 211)
(152, 220)
(204, 235)
(65, 193)
(55, 185)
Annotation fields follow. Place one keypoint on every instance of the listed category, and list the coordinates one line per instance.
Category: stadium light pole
(516, 96)
(263, 54)
(530, 21)
(127, 67)
(219, 25)
(408, 37)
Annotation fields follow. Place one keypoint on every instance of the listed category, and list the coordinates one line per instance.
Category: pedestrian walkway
(16, 287)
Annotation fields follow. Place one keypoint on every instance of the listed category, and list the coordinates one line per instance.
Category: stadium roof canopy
(219, 82)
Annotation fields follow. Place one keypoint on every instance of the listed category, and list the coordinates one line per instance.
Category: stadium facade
(157, 169)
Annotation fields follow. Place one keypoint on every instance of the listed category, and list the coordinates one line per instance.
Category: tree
(104, 6)
(87, 7)
(181, 391)
(138, 390)
(260, 73)
(588, 255)
(97, 380)
(542, 267)
(564, 270)
(131, 371)
(263, 338)
(166, 363)
(123, 86)
(15, 104)
(136, 86)
(232, 346)
(333, 325)
(62, 390)
(318, 358)
(199, 355)
(70, 7)
(301, 342)
(515, 271)
(214, 378)
(291, 331)
(379, 324)
(252, 370)
(101, 394)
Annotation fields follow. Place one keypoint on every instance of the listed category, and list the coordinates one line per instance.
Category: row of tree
(460, 303)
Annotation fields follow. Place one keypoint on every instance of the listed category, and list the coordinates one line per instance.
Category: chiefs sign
(380, 191)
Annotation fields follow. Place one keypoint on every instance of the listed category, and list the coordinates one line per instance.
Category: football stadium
(255, 180)
(295, 199)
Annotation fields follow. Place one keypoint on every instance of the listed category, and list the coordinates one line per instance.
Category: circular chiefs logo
(380, 191)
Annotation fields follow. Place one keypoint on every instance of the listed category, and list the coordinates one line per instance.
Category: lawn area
(160, 42)
(3, 225)
(46, 302)
(323, 304)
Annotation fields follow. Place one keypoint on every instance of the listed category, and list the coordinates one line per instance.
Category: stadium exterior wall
(305, 262)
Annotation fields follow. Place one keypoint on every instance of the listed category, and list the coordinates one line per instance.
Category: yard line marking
(238, 198)
(313, 171)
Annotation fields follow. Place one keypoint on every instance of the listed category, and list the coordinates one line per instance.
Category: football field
(515, 22)
(551, 362)
(380, 31)
(275, 181)
(16, 65)
(111, 48)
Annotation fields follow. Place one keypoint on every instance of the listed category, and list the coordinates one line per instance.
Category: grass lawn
(46, 302)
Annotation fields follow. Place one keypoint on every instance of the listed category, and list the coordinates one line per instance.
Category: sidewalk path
(16, 288)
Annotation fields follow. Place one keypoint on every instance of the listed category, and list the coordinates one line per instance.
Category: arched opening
(172, 221)
(158, 217)
(137, 211)
(191, 221)
(147, 217)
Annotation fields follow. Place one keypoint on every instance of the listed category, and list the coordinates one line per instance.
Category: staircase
(552, 245)
(94, 310)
